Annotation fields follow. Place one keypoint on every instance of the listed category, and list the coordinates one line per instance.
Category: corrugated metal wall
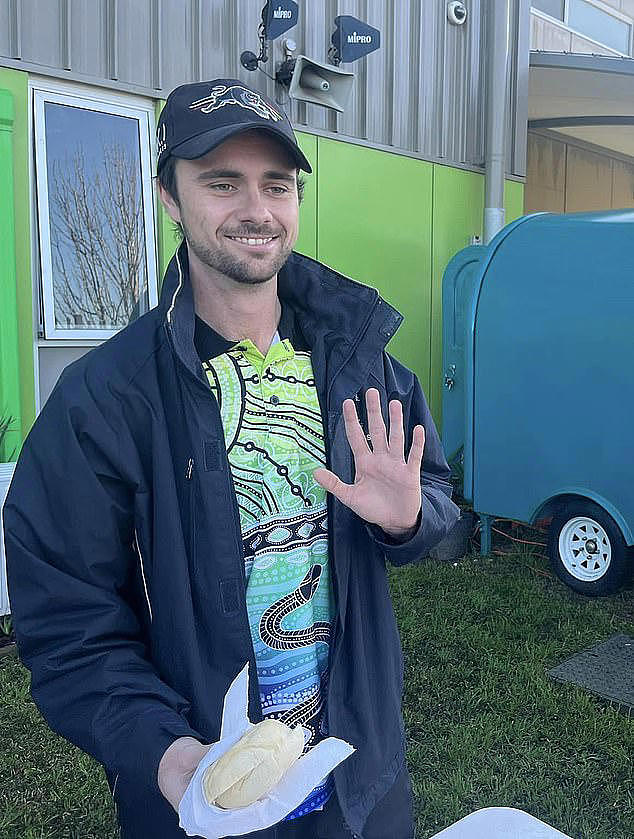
(423, 92)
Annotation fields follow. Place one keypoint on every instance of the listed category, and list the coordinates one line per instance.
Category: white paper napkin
(198, 818)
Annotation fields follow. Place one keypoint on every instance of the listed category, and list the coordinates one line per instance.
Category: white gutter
(496, 105)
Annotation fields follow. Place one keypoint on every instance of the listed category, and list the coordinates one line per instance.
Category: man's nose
(254, 207)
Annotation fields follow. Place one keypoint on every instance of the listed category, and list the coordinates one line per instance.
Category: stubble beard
(240, 270)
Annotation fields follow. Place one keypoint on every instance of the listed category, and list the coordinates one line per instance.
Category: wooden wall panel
(588, 181)
(545, 175)
(562, 177)
(622, 184)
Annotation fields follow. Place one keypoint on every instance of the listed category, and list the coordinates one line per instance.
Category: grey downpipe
(497, 66)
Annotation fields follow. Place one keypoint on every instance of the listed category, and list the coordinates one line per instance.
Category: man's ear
(171, 206)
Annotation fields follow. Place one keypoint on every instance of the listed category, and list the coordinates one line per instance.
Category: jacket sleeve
(438, 512)
(69, 528)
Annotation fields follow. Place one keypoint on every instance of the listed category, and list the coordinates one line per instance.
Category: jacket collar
(345, 322)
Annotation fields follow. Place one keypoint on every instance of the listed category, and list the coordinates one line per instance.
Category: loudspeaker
(320, 84)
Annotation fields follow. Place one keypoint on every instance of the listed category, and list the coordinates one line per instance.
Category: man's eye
(222, 187)
(278, 190)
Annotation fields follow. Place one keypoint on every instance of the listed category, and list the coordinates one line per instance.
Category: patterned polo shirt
(274, 437)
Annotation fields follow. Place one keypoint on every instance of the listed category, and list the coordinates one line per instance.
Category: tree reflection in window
(98, 238)
(99, 265)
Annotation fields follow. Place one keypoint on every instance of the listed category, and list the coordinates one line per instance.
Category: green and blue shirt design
(274, 438)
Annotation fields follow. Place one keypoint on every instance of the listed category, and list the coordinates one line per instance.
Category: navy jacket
(124, 551)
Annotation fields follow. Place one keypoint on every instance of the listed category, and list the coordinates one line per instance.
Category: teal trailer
(538, 390)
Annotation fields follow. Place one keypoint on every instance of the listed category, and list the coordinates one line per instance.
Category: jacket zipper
(327, 436)
(337, 628)
(353, 349)
(362, 413)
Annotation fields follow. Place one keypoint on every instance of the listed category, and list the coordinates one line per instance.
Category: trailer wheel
(587, 550)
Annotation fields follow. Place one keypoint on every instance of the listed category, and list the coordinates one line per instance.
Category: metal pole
(497, 65)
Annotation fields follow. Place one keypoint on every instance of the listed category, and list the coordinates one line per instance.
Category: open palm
(386, 490)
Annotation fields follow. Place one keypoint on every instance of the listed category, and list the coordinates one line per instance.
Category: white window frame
(610, 10)
(104, 101)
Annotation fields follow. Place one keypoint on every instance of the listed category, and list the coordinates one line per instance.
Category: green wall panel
(10, 411)
(394, 222)
(18, 379)
(374, 225)
(307, 239)
(513, 200)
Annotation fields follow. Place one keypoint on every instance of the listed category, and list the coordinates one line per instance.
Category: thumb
(330, 482)
(190, 755)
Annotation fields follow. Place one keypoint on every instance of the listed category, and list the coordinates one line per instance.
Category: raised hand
(386, 489)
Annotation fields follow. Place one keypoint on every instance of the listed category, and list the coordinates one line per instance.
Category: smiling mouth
(252, 241)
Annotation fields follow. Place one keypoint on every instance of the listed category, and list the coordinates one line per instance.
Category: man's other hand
(177, 766)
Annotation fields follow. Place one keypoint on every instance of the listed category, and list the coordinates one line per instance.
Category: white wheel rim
(585, 549)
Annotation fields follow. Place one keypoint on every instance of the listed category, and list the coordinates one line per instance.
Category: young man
(216, 485)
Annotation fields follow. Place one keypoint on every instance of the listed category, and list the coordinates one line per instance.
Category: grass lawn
(486, 726)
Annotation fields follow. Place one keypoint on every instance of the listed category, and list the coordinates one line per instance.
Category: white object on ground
(198, 818)
(499, 823)
(6, 474)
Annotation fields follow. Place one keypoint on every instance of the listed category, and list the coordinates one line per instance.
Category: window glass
(599, 25)
(94, 219)
(554, 8)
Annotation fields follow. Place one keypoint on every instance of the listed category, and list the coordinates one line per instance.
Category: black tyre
(587, 550)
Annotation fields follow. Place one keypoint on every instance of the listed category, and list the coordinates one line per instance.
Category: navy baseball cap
(198, 117)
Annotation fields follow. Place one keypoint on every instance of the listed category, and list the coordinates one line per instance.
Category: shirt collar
(210, 343)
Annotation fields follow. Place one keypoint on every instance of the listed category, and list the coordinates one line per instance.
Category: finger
(330, 482)
(189, 761)
(415, 458)
(354, 432)
(397, 436)
(376, 426)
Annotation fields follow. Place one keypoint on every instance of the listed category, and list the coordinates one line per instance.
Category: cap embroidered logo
(221, 96)
(161, 141)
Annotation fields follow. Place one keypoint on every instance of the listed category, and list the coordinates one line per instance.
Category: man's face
(238, 206)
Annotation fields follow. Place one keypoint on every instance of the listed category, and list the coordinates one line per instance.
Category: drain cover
(606, 670)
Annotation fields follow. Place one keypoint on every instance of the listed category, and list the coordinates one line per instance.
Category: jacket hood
(344, 319)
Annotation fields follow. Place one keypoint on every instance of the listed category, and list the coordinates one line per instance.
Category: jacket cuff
(382, 538)
(153, 734)
(437, 516)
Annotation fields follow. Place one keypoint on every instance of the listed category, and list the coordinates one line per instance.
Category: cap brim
(203, 143)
